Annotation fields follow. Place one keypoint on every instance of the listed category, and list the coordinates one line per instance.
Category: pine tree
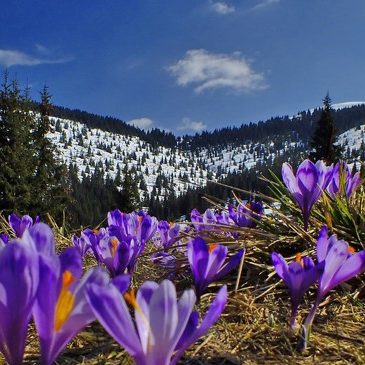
(51, 186)
(324, 136)
(16, 149)
(130, 193)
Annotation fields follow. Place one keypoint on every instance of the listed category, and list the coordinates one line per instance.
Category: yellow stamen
(114, 242)
(298, 258)
(130, 297)
(95, 231)
(65, 302)
(351, 249)
(171, 224)
(140, 218)
(211, 247)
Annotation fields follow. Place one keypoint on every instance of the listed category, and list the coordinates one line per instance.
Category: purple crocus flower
(342, 181)
(246, 215)
(42, 237)
(298, 275)
(4, 239)
(19, 274)
(20, 224)
(95, 236)
(61, 309)
(159, 335)
(205, 221)
(82, 243)
(208, 263)
(307, 186)
(338, 263)
(167, 234)
(119, 256)
(140, 226)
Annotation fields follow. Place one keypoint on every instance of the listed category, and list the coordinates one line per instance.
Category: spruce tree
(51, 186)
(130, 194)
(324, 136)
(16, 148)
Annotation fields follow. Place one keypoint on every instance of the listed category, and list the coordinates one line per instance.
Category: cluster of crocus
(307, 185)
(163, 327)
(167, 234)
(36, 281)
(208, 263)
(166, 238)
(120, 244)
(312, 179)
(342, 182)
(246, 215)
(205, 221)
(336, 263)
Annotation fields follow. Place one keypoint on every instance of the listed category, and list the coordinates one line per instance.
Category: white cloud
(211, 71)
(142, 123)
(222, 8)
(265, 3)
(189, 125)
(10, 58)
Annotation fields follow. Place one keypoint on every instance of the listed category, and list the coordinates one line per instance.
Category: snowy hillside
(161, 170)
(176, 169)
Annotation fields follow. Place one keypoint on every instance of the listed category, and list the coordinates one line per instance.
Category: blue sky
(187, 65)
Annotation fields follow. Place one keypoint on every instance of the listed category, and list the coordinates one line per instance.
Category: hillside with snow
(161, 170)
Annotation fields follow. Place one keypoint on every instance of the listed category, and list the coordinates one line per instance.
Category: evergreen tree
(324, 136)
(16, 149)
(51, 186)
(130, 193)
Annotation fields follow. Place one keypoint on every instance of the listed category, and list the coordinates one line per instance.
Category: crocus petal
(289, 179)
(70, 259)
(322, 244)
(231, 265)
(19, 275)
(280, 265)
(81, 314)
(353, 266)
(142, 316)
(122, 282)
(307, 176)
(353, 183)
(20, 224)
(213, 314)
(112, 312)
(43, 238)
(336, 256)
(215, 261)
(163, 317)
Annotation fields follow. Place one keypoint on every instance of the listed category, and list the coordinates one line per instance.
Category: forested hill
(155, 137)
(300, 126)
